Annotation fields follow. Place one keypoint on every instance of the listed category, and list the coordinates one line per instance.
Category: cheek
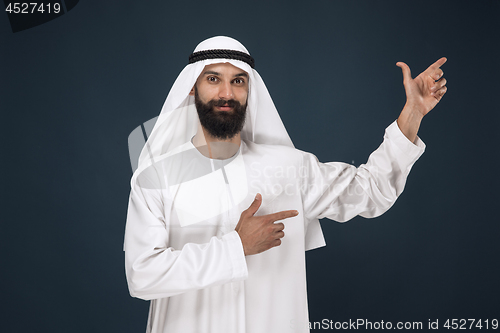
(241, 96)
(206, 94)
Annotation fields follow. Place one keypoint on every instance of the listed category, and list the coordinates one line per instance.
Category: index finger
(438, 63)
(282, 215)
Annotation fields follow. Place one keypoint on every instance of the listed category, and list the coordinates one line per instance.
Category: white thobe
(183, 254)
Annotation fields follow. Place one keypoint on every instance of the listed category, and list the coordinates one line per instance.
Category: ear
(191, 93)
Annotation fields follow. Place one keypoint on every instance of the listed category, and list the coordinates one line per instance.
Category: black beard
(222, 125)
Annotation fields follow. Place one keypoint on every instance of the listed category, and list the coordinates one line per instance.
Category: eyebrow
(218, 74)
(242, 74)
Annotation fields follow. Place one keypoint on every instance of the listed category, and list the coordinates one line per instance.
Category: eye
(212, 79)
(239, 81)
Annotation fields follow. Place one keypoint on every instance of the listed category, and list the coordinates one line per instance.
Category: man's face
(221, 93)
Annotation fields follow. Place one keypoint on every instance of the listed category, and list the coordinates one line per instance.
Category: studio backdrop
(78, 77)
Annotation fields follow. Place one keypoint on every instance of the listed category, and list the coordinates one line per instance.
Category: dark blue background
(72, 90)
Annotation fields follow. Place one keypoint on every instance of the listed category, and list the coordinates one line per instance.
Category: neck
(215, 148)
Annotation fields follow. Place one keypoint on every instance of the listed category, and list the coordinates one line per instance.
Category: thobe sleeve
(156, 270)
(340, 191)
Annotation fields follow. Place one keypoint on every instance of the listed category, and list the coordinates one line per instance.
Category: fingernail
(295, 213)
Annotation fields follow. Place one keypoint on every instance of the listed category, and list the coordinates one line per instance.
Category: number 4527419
(464, 324)
(33, 8)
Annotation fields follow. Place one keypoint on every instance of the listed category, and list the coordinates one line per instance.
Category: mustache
(223, 102)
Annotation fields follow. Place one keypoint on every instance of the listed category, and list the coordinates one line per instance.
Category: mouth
(224, 108)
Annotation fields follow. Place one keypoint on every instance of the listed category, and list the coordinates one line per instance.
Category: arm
(422, 95)
(373, 188)
(156, 270)
(340, 191)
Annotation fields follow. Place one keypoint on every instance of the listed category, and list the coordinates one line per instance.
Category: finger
(276, 242)
(440, 93)
(406, 71)
(254, 207)
(438, 63)
(437, 74)
(438, 85)
(279, 226)
(280, 234)
(282, 215)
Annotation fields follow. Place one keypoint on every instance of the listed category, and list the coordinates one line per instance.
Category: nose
(226, 91)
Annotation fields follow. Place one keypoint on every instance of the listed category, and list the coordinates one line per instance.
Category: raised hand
(422, 95)
(260, 233)
(427, 89)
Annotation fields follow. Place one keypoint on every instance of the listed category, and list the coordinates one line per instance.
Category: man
(219, 184)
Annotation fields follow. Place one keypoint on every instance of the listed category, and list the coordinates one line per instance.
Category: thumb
(254, 207)
(406, 71)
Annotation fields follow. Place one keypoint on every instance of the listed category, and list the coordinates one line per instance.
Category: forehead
(223, 69)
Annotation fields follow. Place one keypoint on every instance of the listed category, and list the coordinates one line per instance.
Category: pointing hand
(260, 233)
(426, 90)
